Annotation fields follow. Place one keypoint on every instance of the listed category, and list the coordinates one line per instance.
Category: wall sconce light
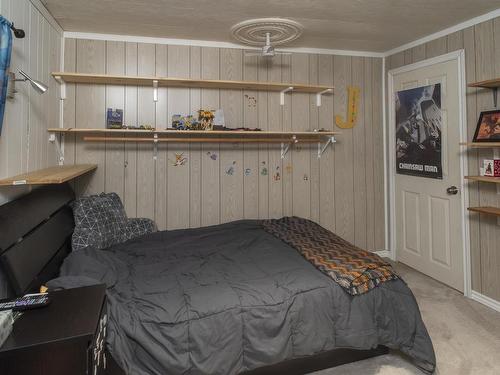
(37, 85)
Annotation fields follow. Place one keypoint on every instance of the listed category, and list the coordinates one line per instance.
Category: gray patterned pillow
(101, 221)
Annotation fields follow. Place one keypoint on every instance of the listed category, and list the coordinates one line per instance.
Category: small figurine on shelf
(180, 122)
(206, 118)
(177, 122)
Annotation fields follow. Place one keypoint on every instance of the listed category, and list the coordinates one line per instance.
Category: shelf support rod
(286, 147)
(321, 149)
(282, 94)
(495, 96)
(155, 90)
(318, 96)
(155, 146)
(63, 86)
(58, 141)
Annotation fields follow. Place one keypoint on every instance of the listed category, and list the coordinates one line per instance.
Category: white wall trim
(46, 14)
(459, 56)
(383, 253)
(485, 300)
(450, 30)
(385, 156)
(210, 43)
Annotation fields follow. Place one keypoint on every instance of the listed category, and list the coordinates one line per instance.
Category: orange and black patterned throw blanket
(357, 271)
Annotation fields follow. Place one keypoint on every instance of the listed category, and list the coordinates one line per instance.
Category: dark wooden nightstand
(66, 337)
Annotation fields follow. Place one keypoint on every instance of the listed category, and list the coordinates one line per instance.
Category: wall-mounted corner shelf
(486, 210)
(156, 82)
(480, 144)
(51, 175)
(492, 84)
(494, 180)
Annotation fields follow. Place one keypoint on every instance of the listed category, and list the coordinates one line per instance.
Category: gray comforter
(230, 298)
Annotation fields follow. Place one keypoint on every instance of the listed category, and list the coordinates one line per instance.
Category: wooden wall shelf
(51, 175)
(494, 180)
(486, 210)
(222, 136)
(229, 133)
(186, 83)
(492, 84)
(480, 144)
(488, 84)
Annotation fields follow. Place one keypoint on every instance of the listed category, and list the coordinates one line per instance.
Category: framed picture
(488, 127)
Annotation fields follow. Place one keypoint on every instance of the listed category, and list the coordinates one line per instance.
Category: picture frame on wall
(488, 127)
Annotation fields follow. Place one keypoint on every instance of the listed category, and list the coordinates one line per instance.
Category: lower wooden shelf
(486, 210)
(480, 144)
(494, 180)
(51, 175)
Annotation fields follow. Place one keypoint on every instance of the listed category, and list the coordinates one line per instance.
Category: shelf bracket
(285, 147)
(495, 96)
(58, 141)
(155, 90)
(318, 96)
(63, 86)
(155, 146)
(282, 94)
(321, 149)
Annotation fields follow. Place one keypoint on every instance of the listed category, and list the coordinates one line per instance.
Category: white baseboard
(383, 253)
(487, 301)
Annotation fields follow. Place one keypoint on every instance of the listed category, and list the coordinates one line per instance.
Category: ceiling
(363, 25)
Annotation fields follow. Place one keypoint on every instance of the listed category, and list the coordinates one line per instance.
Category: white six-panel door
(428, 220)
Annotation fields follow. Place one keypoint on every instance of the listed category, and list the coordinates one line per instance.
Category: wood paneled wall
(24, 142)
(482, 54)
(344, 190)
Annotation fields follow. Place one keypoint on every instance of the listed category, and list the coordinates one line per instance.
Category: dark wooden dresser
(66, 337)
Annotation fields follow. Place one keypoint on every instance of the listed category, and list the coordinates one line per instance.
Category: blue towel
(5, 51)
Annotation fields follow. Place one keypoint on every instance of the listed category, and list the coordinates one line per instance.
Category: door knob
(452, 190)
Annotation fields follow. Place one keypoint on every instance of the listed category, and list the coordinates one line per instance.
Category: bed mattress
(232, 297)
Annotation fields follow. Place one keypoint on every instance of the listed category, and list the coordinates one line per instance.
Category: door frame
(459, 57)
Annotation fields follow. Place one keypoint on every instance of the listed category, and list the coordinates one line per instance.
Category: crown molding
(209, 43)
(450, 30)
(46, 14)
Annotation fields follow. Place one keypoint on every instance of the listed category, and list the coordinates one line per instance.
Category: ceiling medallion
(253, 32)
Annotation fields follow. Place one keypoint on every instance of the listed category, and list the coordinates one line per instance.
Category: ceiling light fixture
(263, 31)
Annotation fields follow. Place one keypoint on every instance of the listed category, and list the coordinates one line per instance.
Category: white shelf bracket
(321, 149)
(155, 90)
(319, 94)
(285, 147)
(155, 147)
(282, 94)
(58, 141)
(63, 86)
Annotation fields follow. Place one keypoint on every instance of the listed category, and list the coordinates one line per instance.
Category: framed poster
(418, 132)
(488, 127)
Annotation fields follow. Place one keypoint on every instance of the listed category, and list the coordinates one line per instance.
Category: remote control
(29, 301)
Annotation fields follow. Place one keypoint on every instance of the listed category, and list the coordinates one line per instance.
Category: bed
(231, 299)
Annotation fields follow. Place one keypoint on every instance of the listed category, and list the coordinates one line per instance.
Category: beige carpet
(465, 334)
